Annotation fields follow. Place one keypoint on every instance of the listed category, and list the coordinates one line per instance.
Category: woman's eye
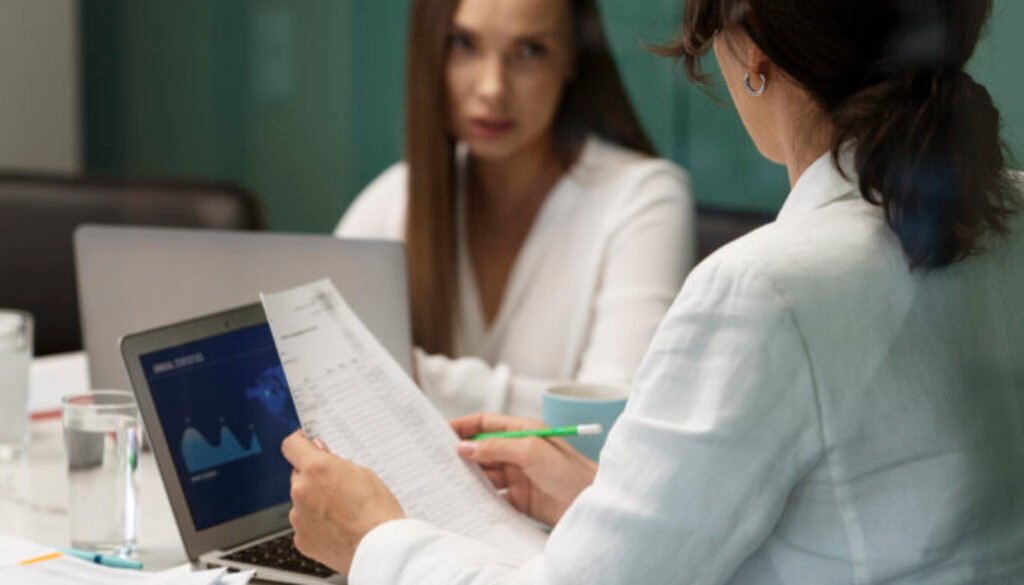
(531, 51)
(459, 42)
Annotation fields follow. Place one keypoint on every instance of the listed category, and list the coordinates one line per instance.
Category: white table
(34, 493)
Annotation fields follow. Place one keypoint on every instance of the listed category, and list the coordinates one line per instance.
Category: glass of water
(15, 356)
(102, 438)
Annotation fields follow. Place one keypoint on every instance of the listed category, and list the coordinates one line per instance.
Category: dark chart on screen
(225, 408)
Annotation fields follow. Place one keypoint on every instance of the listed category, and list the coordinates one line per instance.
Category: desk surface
(34, 491)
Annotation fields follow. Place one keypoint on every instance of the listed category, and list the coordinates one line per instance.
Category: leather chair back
(717, 227)
(38, 217)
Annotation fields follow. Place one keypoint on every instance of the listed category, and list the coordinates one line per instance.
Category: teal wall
(262, 92)
(999, 64)
(302, 101)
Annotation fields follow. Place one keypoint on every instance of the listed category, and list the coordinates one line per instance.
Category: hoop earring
(755, 92)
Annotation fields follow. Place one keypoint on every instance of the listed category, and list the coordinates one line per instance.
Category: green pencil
(569, 431)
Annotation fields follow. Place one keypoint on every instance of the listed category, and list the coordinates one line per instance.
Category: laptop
(216, 406)
(132, 279)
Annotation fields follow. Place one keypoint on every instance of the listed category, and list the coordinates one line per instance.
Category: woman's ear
(738, 55)
(758, 63)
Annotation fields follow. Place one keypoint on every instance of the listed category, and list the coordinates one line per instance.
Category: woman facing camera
(836, 398)
(544, 240)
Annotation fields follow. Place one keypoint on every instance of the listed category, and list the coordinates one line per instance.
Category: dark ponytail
(890, 75)
(928, 152)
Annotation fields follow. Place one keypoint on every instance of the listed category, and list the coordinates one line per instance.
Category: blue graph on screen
(199, 454)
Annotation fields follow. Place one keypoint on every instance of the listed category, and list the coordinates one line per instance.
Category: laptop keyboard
(280, 553)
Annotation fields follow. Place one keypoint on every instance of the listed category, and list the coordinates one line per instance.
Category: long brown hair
(594, 102)
(890, 76)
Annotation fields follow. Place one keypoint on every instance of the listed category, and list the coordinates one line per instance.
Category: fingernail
(466, 449)
(320, 444)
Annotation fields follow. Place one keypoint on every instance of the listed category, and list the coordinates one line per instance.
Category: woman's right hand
(542, 476)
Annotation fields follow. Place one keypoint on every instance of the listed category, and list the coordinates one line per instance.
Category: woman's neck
(806, 135)
(800, 161)
(501, 186)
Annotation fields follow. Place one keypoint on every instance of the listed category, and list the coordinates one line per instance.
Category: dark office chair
(717, 227)
(38, 215)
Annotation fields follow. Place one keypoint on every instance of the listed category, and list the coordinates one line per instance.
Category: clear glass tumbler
(15, 357)
(102, 438)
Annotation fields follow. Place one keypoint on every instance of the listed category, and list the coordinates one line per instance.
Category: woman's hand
(335, 502)
(543, 476)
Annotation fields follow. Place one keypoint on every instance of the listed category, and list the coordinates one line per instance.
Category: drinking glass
(102, 437)
(15, 357)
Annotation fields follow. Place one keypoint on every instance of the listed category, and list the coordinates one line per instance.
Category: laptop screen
(225, 407)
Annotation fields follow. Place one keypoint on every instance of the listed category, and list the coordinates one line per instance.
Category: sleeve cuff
(462, 386)
(383, 549)
(413, 552)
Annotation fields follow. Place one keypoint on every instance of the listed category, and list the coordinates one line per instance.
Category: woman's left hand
(335, 502)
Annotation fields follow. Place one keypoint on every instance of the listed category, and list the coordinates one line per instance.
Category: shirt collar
(821, 184)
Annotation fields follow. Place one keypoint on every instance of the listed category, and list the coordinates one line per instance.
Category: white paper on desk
(350, 393)
(184, 575)
(66, 570)
(63, 570)
(240, 578)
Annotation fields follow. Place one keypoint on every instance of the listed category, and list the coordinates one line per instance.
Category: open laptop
(216, 406)
(132, 279)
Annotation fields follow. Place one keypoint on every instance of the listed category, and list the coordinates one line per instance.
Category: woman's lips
(491, 128)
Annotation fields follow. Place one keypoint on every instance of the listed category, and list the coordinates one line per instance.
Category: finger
(487, 422)
(300, 538)
(497, 478)
(518, 452)
(467, 426)
(562, 445)
(299, 450)
(517, 502)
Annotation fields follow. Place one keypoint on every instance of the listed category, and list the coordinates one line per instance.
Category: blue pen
(105, 560)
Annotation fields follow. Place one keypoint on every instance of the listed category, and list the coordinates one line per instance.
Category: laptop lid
(216, 406)
(131, 279)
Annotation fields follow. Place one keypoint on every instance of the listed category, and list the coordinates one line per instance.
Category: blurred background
(301, 101)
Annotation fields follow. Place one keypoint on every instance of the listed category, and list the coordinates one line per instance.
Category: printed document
(23, 562)
(350, 393)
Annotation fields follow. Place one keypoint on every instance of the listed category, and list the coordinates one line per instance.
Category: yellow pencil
(39, 559)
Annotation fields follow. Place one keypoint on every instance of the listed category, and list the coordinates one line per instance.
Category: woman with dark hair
(836, 398)
(544, 240)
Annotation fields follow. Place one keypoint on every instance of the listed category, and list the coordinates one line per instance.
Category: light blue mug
(578, 403)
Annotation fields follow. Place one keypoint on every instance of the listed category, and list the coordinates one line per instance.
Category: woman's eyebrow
(525, 35)
(462, 30)
(539, 35)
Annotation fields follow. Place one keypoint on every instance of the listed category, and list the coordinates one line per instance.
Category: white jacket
(811, 412)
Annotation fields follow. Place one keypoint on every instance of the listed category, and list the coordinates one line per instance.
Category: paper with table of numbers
(350, 393)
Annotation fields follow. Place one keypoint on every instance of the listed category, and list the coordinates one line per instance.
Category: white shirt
(605, 256)
(811, 412)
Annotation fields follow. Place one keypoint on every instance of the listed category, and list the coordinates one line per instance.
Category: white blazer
(597, 272)
(811, 412)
